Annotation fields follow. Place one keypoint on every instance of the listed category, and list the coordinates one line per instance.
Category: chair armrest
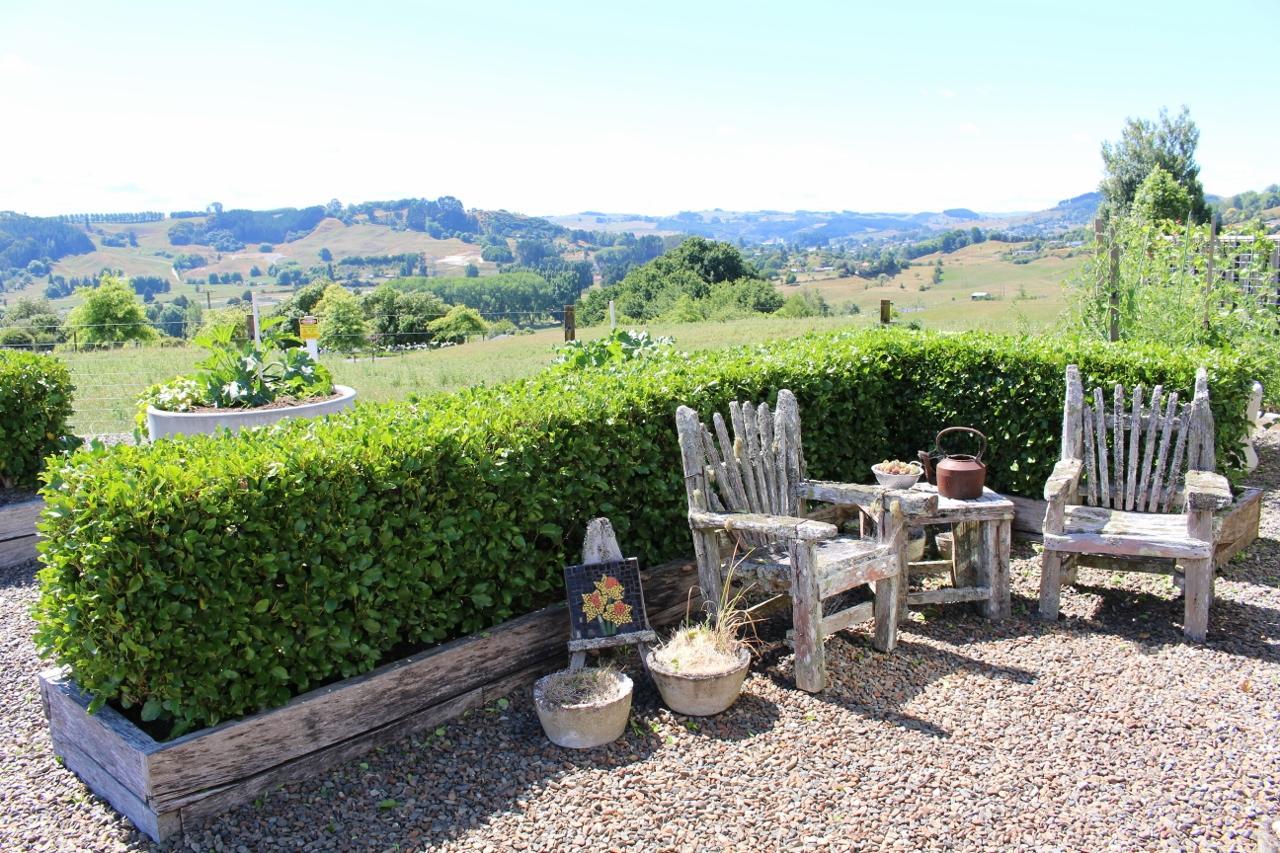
(914, 504)
(1064, 480)
(777, 526)
(1207, 491)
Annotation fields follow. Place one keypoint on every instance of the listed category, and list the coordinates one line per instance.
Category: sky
(656, 107)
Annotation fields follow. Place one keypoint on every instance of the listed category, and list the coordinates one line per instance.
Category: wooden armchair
(747, 497)
(1144, 501)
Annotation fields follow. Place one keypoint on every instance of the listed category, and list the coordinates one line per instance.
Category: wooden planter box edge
(163, 787)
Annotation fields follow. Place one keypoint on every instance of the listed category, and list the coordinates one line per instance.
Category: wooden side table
(979, 566)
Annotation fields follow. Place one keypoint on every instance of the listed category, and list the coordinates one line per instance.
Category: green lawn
(108, 383)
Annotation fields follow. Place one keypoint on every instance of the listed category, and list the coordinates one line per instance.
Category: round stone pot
(164, 424)
(699, 695)
(586, 725)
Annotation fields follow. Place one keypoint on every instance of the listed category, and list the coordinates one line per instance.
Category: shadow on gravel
(877, 686)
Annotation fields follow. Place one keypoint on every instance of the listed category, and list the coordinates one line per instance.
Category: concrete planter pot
(586, 725)
(164, 424)
(699, 695)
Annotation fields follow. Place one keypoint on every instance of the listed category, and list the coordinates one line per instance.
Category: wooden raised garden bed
(18, 531)
(164, 787)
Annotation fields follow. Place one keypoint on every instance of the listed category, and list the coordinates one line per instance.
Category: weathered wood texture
(18, 531)
(751, 490)
(1151, 495)
(159, 785)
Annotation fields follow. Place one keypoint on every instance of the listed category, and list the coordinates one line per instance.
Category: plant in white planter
(699, 670)
(243, 384)
(582, 708)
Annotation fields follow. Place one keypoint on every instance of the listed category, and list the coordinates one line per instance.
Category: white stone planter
(586, 725)
(164, 424)
(699, 695)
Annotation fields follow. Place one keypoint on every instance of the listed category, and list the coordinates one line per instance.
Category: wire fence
(392, 357)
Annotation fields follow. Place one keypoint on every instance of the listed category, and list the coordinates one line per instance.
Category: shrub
(207, 578)
(35, 403)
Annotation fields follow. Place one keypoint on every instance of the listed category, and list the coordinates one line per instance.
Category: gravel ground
(1103, 732)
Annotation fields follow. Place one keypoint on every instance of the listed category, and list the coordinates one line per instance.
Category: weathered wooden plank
(1090, 458)
(751, 465)
(1151, 429)
(997, 544)
(122, 798)
(777, 526)
(238, 748)
(1098, 543)
(949, 595)
(1198, 589)
(1135, 436)
(116, 745)
(1175, 463)
(840, 620)
(1154, 496)
(1205, 490)
(855, 571)
(1237, 527)
(1050, 584)
(806, 620)
(15, 551)
(215, 802)
(966, 553)
(742, 450)
(1072, 415)
(914, 502)
(18, 520)
(1117, 447)
(930, 567)
(767, 462)
(1100, 425)
(1028, 514)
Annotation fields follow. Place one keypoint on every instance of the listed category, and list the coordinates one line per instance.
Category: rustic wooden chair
(746, 501)
(1143, 501)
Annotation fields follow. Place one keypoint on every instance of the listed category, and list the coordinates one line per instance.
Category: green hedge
(35, 403)
(207, 578)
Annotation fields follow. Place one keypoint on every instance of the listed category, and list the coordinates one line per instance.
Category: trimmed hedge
(206, 578)
(35, 404)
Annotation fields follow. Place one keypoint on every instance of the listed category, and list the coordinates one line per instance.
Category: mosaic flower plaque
(605, 600)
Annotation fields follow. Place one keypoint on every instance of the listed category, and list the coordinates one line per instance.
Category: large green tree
(110, 313)
(1160, 198)
(1168, 143)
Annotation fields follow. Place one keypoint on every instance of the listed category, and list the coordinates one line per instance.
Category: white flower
(233, 390)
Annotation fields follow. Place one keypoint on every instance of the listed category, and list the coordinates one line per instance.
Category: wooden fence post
(886, 309)
(1208, 276)
(570, 328)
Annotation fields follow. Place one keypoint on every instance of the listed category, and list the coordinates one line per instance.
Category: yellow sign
(309, 329)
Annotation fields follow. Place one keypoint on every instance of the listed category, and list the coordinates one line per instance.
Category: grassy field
(448, 257)
(108, 383)
(1028, 297)
(1024, 296)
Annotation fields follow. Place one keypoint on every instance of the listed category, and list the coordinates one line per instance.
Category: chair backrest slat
(1151, 427)
(1117, 447)
(1135, 436)
(1100, 429)
(1140, 466)
(1090, 456)
(1170, 419)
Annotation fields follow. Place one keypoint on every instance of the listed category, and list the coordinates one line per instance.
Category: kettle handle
(977, 456)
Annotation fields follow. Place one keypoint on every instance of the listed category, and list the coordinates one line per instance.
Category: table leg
(998, 537)
(966, 553)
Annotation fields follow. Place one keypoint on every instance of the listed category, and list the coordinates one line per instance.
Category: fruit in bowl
(896, 474)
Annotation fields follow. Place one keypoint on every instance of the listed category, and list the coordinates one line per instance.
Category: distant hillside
(817, 228)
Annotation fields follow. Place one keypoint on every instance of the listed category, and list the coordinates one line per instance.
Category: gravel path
(1105, 731)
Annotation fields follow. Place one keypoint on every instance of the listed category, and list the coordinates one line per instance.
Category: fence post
(886, 309)
(1208, 276)
(613, 317)
(1113, 280)
(75, 344)
(570, 327)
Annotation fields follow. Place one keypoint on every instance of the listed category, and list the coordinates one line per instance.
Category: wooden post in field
(886, 308)
(570, 329)
(257, 318)
(1208, 273)
(1113, 281)
(613, 316)
(208, 299)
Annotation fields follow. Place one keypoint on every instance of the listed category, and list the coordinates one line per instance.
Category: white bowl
(896, 481)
